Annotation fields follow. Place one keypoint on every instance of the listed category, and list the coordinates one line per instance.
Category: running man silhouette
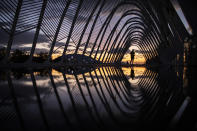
(132, 56)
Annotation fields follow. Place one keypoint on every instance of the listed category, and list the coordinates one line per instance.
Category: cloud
(23, 38)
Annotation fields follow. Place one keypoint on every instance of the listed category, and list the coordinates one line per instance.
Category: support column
(13, 29)
(37, 30)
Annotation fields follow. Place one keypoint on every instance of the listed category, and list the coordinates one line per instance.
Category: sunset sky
(23, 41)
(139, 58)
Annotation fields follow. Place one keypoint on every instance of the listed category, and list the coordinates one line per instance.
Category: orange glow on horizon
(138, 70)
(139, 58)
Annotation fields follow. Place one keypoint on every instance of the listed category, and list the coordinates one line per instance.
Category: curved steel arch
(130, 25)
(114, 42)
(100, 29)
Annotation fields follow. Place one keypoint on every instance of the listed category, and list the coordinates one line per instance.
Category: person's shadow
(132, 73)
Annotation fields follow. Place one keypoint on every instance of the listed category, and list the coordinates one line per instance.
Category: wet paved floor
(102, 98)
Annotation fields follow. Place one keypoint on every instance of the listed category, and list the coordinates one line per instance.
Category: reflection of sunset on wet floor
(137, 70)
(137, 73)
(104, 71)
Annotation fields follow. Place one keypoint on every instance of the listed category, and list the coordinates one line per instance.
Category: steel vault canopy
(101, 29)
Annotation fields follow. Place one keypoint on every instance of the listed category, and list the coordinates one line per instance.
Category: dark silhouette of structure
(90, 101)
(132, 54)
(91, 33)
(103, 30)
(132, 75)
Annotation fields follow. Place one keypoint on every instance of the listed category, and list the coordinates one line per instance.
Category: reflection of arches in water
(110, 100)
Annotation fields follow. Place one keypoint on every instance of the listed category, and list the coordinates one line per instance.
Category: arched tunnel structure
(101, 29)
(61, 65)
